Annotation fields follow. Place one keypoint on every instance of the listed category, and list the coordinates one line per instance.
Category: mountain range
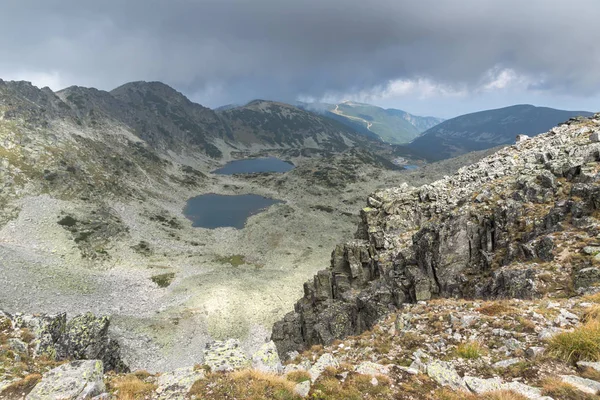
(389, 125)
(166, 119)
(487, 129)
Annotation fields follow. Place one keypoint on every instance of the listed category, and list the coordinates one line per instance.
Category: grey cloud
(242, 49)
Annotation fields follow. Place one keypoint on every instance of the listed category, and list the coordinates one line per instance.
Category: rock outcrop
(513, 225)
(84, 337)
(78, 380)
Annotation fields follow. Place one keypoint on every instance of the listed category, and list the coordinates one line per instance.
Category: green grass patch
(235, 260)
(469, 350)
(581, 344)
(163, 280)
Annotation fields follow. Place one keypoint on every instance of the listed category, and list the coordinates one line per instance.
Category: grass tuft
(469, 350)
(558, 389)
(494, 309)
(131, 387)
(503, 395)
(298, 376)
(581, 344)
(243, 385)
(20, 389)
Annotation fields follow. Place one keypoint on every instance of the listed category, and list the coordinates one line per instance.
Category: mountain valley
(94, 187)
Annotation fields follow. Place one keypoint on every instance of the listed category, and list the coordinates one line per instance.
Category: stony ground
(439, 349)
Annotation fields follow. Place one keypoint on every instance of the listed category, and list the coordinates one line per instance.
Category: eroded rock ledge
(54, 337)
(514, 225)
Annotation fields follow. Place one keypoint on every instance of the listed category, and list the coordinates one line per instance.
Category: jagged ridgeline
(139, 138)
(513, 225)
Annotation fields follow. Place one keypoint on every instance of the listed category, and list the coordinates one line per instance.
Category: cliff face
(514, 225)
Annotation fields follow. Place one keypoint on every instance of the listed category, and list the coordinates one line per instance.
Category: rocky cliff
(514, 225)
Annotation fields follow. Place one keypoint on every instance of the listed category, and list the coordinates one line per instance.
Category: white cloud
(499, 78)
(420, 88)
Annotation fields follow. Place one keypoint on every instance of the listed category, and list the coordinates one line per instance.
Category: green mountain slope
(390, 125)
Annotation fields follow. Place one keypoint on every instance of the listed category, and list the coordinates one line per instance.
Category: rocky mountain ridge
(283, 125)
(493, 230)
(168, 121)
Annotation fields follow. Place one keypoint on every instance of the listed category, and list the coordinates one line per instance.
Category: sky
(429, 57)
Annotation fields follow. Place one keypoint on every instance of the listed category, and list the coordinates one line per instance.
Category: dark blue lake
(254, 165)
(216, 211)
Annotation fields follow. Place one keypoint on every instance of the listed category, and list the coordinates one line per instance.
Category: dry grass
(142, 374)
(356, 387)
(26, 335)
(581, 344)
(503, 395)
(5, 324)
(557, 389)
(494, 309)
(469, 350)
(526, 325)
(19, 389)
(590, 373)
(448, 394)
(243, 385)
(298, 376)
(131, 387)
(594, 298)
(592, 313)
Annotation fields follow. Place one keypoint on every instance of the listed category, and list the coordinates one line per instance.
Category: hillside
(283, 125)
(486, 129)
(480, 286)
(390, 125)
(91, 212)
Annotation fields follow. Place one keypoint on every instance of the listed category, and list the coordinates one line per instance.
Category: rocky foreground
(483, 285)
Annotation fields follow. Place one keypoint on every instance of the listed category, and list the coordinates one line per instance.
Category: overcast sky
(429, 57)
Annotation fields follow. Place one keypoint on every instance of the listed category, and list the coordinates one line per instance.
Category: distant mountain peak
(390, 125)
(486, 129)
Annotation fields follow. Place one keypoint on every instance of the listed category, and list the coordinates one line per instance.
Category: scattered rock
(326, 360)
(583, 384)
(587, 277)
(176, 384)
(591, 250)
(479, 386)
(18, 345)
(525, 390)
(506, 363)
(266, 359)
(535, 352)
(302, 389)
(445, 374)
(77, 380)
(226, 356)
(522, 138)
(587, 364)
(371, 368)
(548, 333)
(84, 337)
(512, 344)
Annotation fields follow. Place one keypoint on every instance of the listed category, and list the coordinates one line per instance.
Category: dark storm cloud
(240, 49)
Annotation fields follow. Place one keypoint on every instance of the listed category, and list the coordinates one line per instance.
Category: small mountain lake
(217, 211)
(255, 165)
(410, 167)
